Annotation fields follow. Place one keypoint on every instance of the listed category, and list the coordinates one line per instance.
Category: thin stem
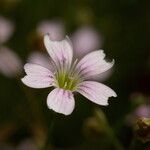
(48, 140)
(110, 133)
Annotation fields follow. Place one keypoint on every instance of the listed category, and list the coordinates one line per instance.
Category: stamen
(72, 70)
(66, 76)
(65, 84)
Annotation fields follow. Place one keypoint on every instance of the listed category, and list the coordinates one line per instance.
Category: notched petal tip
(26, 66)
(37, 82)
(110, 62)
(96, 92)
(102, 53)
(114, 94)
(25, 81)
(22, 79)
(94, 64)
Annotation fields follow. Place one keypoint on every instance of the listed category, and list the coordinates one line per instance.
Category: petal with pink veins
(34, 69)
(96, 92)
(61, 52)
(93, 64)
(37, 76)
(61, 101)
(34, 81)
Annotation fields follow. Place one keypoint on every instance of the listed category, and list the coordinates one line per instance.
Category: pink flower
(68, 77)
(40, 59)
(10, 63)
(142, 111)
(55, 27)
(6, 29)
(85, 40)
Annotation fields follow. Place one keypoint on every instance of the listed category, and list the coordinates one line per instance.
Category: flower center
(66, 81)
(67, 77)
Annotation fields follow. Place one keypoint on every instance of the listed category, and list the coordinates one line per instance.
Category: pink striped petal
(60, 51)
(96, 92)
(34, 69)
(37, 76)
(34, 81)
(61, 101)
(93, 64)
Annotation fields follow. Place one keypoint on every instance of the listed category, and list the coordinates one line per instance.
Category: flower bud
(142, 129)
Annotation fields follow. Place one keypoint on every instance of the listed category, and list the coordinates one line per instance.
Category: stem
(114, 139)
(47, 144)
(110, 133)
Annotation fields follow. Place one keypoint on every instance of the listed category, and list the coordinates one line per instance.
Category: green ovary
(66, 82)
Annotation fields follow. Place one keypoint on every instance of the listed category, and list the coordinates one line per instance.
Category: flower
(142, 111)
(55, 27)
(39, 58)
(10, 63)
(68, 77)
(86, 39)
(142, 129)
(6, 29)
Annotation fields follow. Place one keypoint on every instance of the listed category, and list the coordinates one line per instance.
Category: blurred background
(121, 28)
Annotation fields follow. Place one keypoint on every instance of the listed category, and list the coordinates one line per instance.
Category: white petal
(34, 69)
(61, 101)
(96, 92)
(103, 76)
(37, 76)
(34, 81)
(60, 51)
(93, 64)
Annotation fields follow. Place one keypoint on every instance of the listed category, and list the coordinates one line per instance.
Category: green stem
(114, 139)
(48, 140)
(110, 133)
